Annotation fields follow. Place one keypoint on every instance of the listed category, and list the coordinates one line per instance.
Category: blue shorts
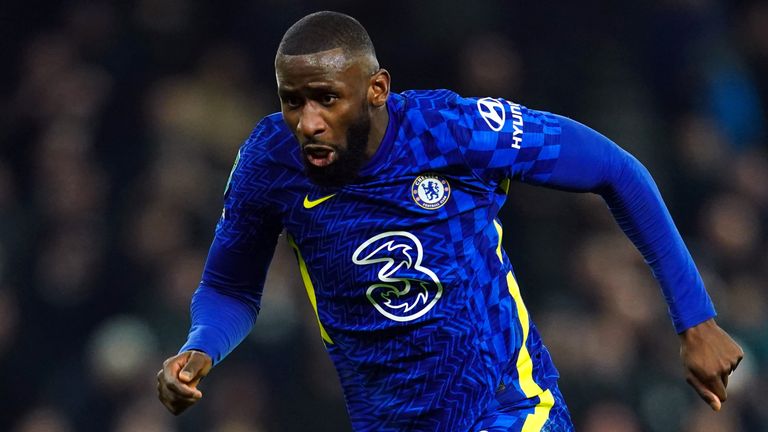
(546, 413)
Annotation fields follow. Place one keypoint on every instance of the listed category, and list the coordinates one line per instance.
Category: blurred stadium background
(120, 121)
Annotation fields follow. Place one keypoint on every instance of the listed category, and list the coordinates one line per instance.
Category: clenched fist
(177, 381)
(709, 356)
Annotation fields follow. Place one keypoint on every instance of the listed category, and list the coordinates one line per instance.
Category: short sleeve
(501, 139)
(249, 218)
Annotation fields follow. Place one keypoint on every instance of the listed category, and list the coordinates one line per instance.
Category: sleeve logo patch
(430, 191)
(492, 111)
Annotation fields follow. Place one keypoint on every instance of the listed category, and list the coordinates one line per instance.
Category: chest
(409, 201)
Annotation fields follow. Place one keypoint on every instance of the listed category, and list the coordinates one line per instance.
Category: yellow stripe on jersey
(309, 287)
(504, 185)
(498, 247)
(535, 421)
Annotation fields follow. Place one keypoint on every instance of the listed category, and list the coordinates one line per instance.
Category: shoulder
(270, 142)
(269, 130)
(266, 158)
(446, 100)
(269, 150)
(447, 104)
(433, 112)
(432, 108)
(431, 99)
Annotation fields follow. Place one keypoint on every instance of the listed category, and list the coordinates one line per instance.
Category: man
(390, 202)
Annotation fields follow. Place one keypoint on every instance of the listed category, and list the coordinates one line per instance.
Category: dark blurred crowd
(120, 121)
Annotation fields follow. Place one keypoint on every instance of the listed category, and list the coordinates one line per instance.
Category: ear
(378, 88)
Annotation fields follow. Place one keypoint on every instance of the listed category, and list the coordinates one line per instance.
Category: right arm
(225, 305)
(224, 309)
(227, 301)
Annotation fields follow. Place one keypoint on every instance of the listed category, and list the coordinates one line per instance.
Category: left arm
(590, 162)
(500, 140)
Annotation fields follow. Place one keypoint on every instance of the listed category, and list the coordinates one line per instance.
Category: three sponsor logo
(406, 289)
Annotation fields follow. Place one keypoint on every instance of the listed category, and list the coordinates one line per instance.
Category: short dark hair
(326, 30)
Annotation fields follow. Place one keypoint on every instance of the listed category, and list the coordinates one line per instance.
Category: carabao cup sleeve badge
(430, 191)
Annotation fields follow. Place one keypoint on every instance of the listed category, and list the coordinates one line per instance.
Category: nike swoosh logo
(309, 204)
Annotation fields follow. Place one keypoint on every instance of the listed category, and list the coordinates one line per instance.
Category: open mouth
(319, 155)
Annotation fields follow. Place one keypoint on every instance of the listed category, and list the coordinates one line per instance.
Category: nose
(311, 123)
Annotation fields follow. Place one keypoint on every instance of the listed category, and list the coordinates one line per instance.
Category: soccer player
(390, 202)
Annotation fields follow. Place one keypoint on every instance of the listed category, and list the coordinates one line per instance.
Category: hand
(709, 356)
(177, 381)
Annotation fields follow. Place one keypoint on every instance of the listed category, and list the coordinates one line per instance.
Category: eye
(291, 102)
(328, 99)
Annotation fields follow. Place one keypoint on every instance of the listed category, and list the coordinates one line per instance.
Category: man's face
(323, 97)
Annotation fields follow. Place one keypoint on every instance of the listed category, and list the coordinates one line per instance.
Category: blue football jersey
(415, 298)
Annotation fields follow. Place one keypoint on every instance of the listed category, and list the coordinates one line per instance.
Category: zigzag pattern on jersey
(405, 371)
(249, 211)
(436, 387)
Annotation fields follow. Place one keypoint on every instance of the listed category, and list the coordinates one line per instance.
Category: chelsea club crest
(430, 191)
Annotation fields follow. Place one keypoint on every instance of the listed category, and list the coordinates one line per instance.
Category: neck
(379, 123)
